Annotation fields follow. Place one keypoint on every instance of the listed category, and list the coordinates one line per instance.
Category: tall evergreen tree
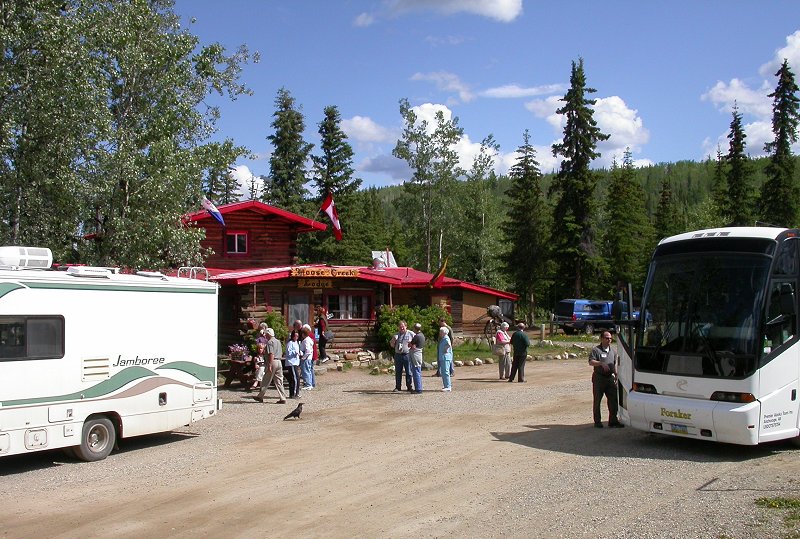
(780, 197)
(574, 186)
(667, 221)
(526, 230)
(629, 231)
(719, 189)
(740, 193)
(219, 184)
(288, 160)
(332, 172)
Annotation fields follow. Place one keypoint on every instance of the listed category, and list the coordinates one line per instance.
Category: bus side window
(781, 314)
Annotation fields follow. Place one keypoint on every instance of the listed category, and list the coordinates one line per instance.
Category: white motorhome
(89, 355)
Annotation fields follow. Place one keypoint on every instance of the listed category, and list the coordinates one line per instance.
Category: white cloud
(791, 52)
(613, 117)
(244, 177)
(546, 109)
(363, 20)
(511, 91)
(626, 128)
(364, 129)
(499, 10)
(447, 82)
(723, 95)
(754, 104)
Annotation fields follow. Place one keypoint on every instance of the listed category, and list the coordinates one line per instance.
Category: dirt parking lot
(490, 459)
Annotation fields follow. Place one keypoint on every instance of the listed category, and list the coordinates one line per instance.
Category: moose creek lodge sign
(322, 273)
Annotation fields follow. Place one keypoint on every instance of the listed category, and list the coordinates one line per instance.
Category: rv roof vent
(26, 257)
(89, 271)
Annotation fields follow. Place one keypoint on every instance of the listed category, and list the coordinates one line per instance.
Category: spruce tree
(288, 160)
(628, 231)
(526, 230)
(719, 189)
(740, 194)
(332, 173)
(574, 186)
(667, 222)
(780, 197)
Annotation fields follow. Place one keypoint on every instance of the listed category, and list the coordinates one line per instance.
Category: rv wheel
(97, 440)
(588, 329)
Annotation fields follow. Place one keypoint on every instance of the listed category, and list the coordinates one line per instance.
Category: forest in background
(107, 142)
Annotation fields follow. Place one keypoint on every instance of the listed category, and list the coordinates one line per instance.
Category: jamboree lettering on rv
(138, 361)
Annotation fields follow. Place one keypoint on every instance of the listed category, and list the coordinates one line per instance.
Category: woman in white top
(502, 343)
(307, 357)
(293, 364)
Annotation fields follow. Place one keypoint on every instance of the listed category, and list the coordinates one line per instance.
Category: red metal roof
(306, 225)
(397, 277)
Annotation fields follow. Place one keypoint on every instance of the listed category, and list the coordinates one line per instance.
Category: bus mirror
(787, 298)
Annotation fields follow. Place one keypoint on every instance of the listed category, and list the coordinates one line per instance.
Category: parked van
(583, 315)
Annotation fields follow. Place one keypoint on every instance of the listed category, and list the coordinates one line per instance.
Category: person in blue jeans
(307, 357)
(444, 358)
(400, 342)
(415, 357)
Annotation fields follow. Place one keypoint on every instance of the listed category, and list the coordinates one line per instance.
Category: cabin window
(31, 337)
(350, 306)
(236, 242)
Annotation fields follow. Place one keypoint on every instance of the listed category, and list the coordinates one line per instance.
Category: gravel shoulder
(491, 459)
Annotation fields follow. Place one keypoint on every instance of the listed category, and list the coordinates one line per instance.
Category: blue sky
(666, 73)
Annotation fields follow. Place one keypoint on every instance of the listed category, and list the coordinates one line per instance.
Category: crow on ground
(295, 413)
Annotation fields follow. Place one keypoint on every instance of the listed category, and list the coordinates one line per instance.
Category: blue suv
(583, 315)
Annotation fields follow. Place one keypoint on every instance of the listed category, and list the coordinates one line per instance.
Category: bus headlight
(644, 388)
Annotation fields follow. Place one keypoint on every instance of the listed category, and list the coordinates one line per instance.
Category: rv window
(31, 337)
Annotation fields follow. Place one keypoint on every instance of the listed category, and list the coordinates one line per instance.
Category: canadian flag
(329, 208)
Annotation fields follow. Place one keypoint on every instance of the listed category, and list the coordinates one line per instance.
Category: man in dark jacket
(519, 344)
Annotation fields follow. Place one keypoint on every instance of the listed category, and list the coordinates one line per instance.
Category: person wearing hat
(415, 348)
(519, 343)
(502, 343)
(272, 359)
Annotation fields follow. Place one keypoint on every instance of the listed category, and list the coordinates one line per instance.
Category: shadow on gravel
(588, 441)
(53, 458)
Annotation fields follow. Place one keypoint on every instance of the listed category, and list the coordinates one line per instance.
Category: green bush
(274, 320)
(428, 317)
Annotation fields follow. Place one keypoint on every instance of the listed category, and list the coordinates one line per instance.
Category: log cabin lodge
(254, 262)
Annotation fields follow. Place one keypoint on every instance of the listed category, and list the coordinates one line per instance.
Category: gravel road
(490, 459)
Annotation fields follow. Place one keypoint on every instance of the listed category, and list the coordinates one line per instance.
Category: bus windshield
(701, 314)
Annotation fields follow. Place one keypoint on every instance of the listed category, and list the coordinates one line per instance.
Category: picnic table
(239, 369)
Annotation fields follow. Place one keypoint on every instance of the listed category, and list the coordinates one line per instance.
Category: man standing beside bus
(603, 360)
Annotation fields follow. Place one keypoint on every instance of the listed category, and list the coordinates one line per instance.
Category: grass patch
(790, 507)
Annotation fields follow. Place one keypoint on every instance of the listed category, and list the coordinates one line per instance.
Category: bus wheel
(588, 329)
(97, 440)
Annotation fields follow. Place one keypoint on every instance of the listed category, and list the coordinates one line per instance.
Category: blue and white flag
(209, 206)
